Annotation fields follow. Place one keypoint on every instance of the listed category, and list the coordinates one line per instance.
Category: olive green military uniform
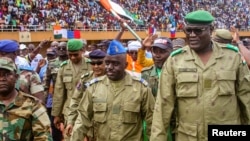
(151, 76)
(215, 93)
(65, 85)
(51, 73)
(118, 112)
(77, 96)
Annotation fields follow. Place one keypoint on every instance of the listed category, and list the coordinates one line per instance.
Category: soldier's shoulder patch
(147, 68)
(141, 80)
(178, 51)
(64, 63)
(93, 81)
(232, 47)
(85, 75)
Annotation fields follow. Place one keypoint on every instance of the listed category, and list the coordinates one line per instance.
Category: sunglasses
(61, 48)
(96, 63)
(196, 31)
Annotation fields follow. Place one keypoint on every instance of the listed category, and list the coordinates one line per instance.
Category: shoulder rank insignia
(178, 51)
(144, 82)
(87, 84)
(85, 75)
(234, 48)
(64, 63)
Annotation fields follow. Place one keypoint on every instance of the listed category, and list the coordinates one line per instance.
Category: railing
(39, 28)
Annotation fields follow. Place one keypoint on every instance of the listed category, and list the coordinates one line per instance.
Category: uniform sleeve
(165, 102)
(36, 83)
(143, 60)
(148, 108)
(74, 102)
(59, 95)
(243, 93)
(47, 77)
(41, 123)
(84, 118)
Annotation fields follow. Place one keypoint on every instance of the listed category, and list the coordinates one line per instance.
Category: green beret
(223, 34)
(74, 45)
(199, 17)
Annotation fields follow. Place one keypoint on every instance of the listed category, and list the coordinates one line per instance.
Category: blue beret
(199, 17)
(96, 54)
(115, 47)
(8, 46)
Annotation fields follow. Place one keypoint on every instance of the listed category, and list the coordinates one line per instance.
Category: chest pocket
(131, 112)
(187, 84)
(67, 80)
(100, 112)
(226, 80)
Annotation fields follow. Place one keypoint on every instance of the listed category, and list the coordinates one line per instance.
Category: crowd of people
(89, 15)
(155, 89)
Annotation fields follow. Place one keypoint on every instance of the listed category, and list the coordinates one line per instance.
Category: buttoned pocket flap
(131, 107)
(187, 77)
(100, 107)
(67, 79)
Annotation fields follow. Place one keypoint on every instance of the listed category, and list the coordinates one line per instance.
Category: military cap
(178, 42)
(97, 54)
(134, 45)
(8, 46)
(115, 48)
(74, 45)
(223, 34)
(246, 41)
(199, 17)
(162, 42)
(51, 51)
(8, 64)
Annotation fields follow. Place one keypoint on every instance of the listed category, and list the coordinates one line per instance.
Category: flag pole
(126, 25)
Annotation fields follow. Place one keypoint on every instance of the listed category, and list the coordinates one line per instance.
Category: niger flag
(57, 32)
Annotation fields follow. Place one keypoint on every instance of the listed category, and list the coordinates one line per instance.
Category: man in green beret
(67, 77)
(202, 83)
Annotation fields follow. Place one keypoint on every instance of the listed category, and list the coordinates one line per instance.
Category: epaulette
(147, 68)
(234, 48)
(143, 81)
(178, 51)
(85, 75)
(93, 81)
(87, 60)
(64, 63)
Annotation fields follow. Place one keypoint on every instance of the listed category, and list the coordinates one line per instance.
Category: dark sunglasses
(196, 31)
(96, 63)
(61, 48)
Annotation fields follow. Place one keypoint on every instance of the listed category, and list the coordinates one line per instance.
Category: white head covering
(134, 45)
(22, 46)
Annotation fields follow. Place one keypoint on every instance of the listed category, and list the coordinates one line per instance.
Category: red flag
(77, 34)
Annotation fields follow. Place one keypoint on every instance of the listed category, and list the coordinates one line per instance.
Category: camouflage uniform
(25, 119)
(66, 82)
(150, 75)
(215, 93)
(77, 96)
(117, 114)
(51, 73)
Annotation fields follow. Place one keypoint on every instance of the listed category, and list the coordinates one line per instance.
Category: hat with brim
(163, 43)
(7, 63)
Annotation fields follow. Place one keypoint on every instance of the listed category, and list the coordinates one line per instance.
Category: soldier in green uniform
(204, 82)
(98, 69)
(68, 75)
(49, 83)
(161, 49)
(117, 103)
(22, 116)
